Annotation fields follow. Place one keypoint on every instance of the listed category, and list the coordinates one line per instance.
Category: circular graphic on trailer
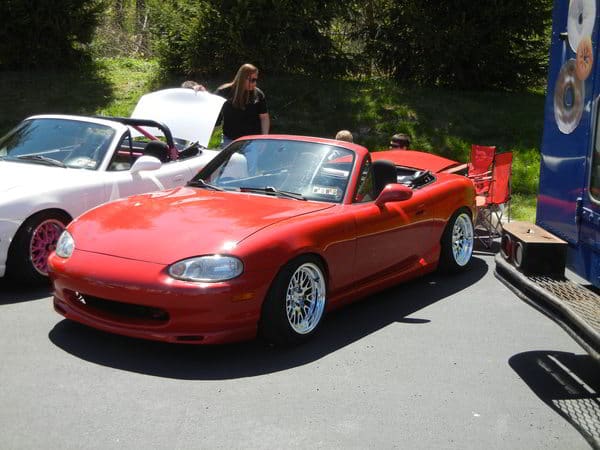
(580, 21)
(584, 58)
(568, 98)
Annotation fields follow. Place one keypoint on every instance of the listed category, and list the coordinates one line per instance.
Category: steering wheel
(80, 161)
(83, 156)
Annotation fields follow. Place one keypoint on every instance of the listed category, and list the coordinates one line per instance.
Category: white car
(55, 167)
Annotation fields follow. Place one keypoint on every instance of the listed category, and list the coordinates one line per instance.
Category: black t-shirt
(241, 122)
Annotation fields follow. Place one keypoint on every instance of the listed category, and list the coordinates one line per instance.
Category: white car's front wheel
(32, 244)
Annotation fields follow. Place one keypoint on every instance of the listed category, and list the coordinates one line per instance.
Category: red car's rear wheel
(457, 243)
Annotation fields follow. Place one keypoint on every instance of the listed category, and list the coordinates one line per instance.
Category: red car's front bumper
(138, 299)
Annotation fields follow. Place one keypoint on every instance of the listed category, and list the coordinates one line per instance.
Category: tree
(38, 33)
(123, 30)
(213, 36)
(461, 43)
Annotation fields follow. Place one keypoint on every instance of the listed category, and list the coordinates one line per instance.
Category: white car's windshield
(287, 168)
(58, 142)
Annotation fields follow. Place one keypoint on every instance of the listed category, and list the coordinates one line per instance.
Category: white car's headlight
(208, 269)
(65, 245)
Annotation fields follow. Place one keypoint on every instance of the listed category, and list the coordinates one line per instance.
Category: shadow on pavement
(14, 293)
(567, 383)
(340, 329)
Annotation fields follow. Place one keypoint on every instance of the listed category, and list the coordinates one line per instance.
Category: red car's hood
(163, 227)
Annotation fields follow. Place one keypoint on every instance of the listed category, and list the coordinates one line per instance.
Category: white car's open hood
(190, 115)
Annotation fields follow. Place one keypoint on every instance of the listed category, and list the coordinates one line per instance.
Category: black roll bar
(143, 123)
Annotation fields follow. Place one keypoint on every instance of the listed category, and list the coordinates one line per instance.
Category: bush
(39, 33)
(462, 43)
(216, 36)
(122, 31)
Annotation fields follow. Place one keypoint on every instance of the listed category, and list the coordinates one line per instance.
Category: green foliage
(129, 79)
(523, 207)
(172, 24)
(39, 33)
(217, 36)
(461, 43)
(25, 93)
(122, 31)
(109, 87)
(526, 169)
(455, 43)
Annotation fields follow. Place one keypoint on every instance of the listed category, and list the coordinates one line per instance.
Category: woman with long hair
(245, 111)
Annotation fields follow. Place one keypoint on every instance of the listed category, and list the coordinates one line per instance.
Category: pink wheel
(43, 242)
(33, 243)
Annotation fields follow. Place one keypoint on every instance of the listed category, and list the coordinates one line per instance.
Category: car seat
(158, 149)
(384, 173)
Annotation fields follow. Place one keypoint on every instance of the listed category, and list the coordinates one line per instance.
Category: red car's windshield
(314, 171)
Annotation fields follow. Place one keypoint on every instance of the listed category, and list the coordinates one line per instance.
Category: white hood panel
(190, 115)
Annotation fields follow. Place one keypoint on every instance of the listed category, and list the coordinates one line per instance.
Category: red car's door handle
(420, 210)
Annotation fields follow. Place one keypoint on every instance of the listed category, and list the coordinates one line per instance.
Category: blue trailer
(533, 258)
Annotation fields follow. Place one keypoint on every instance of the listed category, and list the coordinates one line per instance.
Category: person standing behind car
(245, 111)
(191, 84)
(400, 141)
(344, 135)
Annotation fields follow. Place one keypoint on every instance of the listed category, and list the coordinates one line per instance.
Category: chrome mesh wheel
(305, 298)
(462, 239)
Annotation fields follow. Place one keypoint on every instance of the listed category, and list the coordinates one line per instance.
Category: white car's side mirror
(145, 162)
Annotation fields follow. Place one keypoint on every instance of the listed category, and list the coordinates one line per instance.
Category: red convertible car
(271, 234)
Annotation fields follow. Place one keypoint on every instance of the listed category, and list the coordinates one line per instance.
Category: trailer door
(586, 257)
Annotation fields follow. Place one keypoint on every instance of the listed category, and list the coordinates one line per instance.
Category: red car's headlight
(65, 245)
(207, 269)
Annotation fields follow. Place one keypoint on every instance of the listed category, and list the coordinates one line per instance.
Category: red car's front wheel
(295, 304)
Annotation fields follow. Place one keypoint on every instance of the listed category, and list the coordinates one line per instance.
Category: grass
(440, 121)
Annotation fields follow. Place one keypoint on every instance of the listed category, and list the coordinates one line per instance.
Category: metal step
(574, 307)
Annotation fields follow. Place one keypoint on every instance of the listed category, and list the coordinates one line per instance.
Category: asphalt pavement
(441, 362)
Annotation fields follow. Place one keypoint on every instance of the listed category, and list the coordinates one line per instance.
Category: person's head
(344, 135)
(189, 84)
(400, 141)
(243, 85)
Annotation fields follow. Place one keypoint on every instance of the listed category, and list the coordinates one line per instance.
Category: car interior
(131, 149)
(413, 178)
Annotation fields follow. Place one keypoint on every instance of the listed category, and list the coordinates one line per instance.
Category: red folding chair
(479, 168)
(493, 205)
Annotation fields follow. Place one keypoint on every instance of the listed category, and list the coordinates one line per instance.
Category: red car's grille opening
(119, 311)
(190, 338)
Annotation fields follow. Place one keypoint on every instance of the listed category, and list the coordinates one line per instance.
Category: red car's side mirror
(393, 193)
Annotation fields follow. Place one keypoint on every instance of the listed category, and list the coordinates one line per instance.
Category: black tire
(292, 319)
(457, 243)
(25, 264)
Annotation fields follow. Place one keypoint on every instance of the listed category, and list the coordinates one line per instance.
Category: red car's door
(393, 237)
